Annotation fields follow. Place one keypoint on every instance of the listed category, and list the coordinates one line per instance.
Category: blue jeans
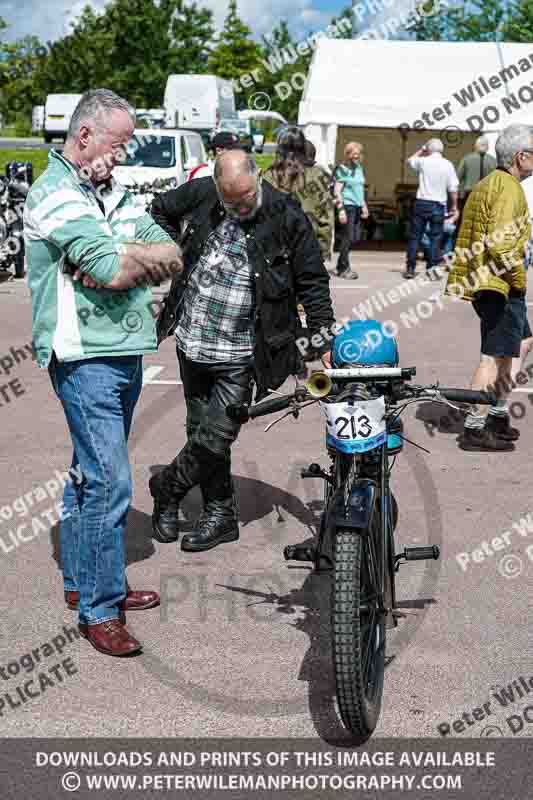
(425, 211)
(98, 396)
(448, 236)
(353, 214)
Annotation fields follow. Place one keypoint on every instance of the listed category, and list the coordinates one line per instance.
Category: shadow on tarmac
(256, 499)
(440, 418)
(312, 600)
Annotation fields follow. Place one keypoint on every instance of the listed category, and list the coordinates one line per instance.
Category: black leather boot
(218, 522)
(483, 440)
(501, 427)
(168, 488)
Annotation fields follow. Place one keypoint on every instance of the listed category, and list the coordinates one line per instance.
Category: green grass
(39, 159)
(8, 133)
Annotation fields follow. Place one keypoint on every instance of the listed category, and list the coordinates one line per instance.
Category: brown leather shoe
(110, 637)
(134, 601)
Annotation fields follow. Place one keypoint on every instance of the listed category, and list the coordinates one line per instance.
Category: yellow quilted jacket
(490, 249)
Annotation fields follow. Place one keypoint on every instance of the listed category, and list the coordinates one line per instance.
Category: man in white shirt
(437, 180)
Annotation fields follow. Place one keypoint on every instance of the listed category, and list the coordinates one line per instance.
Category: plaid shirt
(216, 322)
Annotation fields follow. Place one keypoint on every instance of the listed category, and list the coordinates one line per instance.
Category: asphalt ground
(241, 643)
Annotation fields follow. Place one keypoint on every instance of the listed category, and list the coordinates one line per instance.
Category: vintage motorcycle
(361, 398)
(14, 188)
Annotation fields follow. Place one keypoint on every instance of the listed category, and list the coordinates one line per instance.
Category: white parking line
(358, 286)
(150, 373)
(525, 390)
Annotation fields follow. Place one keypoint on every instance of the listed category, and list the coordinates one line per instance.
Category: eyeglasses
(247, 199)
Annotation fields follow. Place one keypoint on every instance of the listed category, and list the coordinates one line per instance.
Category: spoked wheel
(358, 630)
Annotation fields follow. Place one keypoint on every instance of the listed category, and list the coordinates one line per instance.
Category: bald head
(234, 165)
(236, 177)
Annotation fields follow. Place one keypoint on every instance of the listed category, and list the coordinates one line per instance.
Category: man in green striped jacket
(92, 253)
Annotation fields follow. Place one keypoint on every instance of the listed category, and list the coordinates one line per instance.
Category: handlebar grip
(242, 413)
(428, 552)
(469, 396)
(270, 406)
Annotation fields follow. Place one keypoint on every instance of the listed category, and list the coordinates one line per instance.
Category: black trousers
(208, 390)
(353, 214)
(206, 458)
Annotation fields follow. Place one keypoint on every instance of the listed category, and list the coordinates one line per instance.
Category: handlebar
(469, 396)
(243, 413)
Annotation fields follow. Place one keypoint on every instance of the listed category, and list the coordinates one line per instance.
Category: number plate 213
(355, 428)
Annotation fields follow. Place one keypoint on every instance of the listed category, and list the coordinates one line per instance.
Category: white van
(159, 159)
(37, 119)
(198, 102)
(57, 113)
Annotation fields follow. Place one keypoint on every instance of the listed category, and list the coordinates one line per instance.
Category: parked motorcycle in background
(14, 189)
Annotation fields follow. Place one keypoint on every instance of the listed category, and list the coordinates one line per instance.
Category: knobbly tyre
(362, 398)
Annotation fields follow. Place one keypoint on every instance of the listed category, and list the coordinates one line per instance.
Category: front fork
(352, 505)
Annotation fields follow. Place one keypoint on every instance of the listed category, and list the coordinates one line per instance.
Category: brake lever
(300, 395)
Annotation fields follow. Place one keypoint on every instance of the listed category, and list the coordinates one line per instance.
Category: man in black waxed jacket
(248, 252)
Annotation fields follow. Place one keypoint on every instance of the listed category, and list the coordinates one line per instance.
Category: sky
(50, 20)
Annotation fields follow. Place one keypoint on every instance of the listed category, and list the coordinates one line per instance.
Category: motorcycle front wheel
(358, 630)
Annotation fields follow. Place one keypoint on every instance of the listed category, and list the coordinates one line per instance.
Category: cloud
(50, 21)
(302, 16)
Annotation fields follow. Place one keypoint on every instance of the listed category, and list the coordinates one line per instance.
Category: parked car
(159, 159)
(250, 137)
(57, 113)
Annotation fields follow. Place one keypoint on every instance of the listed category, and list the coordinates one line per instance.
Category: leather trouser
(206, 457)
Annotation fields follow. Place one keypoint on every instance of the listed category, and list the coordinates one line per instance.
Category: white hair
(94, 106)
(435, 146)
(481, 145)
(511, 141)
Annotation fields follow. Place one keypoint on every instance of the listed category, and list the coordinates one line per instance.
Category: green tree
(190, 30)
(476, 21)
(19, 64)
(130, 47)
(518, 26)
(285, 69)
(81, 59)
(346, 15)
(234, 53)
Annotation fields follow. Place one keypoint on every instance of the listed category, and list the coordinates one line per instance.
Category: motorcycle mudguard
(361, 503)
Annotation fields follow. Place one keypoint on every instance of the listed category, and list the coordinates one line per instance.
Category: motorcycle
(14, 189)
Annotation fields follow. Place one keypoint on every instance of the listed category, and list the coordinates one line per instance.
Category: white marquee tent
(366, 90)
